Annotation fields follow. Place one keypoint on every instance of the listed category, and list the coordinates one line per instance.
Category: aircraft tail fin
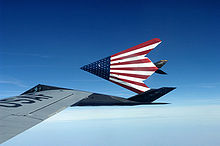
(128, 68)
(160, 64)
(151, 95)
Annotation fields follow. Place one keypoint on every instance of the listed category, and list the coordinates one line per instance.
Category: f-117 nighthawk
(128, 68)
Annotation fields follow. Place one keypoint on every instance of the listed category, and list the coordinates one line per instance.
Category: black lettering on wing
(39, 97)
(24, 101)
(8, 104)
(21, 100)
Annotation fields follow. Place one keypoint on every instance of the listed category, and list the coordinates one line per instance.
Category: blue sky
(48, 41)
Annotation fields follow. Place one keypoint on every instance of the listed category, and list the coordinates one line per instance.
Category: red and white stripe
(129, 68)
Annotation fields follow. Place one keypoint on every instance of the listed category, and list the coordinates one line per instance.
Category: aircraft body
(128, 69)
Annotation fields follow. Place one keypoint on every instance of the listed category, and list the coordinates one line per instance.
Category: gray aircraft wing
(22, 112)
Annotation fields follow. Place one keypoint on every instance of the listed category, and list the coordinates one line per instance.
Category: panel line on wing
(50, 104)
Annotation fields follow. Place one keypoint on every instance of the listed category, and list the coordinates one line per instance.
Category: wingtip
(168, 89)
(157, 40)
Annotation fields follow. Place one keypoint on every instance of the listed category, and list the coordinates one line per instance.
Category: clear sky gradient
(46, 42)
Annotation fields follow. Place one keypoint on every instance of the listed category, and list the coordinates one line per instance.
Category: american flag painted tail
(128, 68)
